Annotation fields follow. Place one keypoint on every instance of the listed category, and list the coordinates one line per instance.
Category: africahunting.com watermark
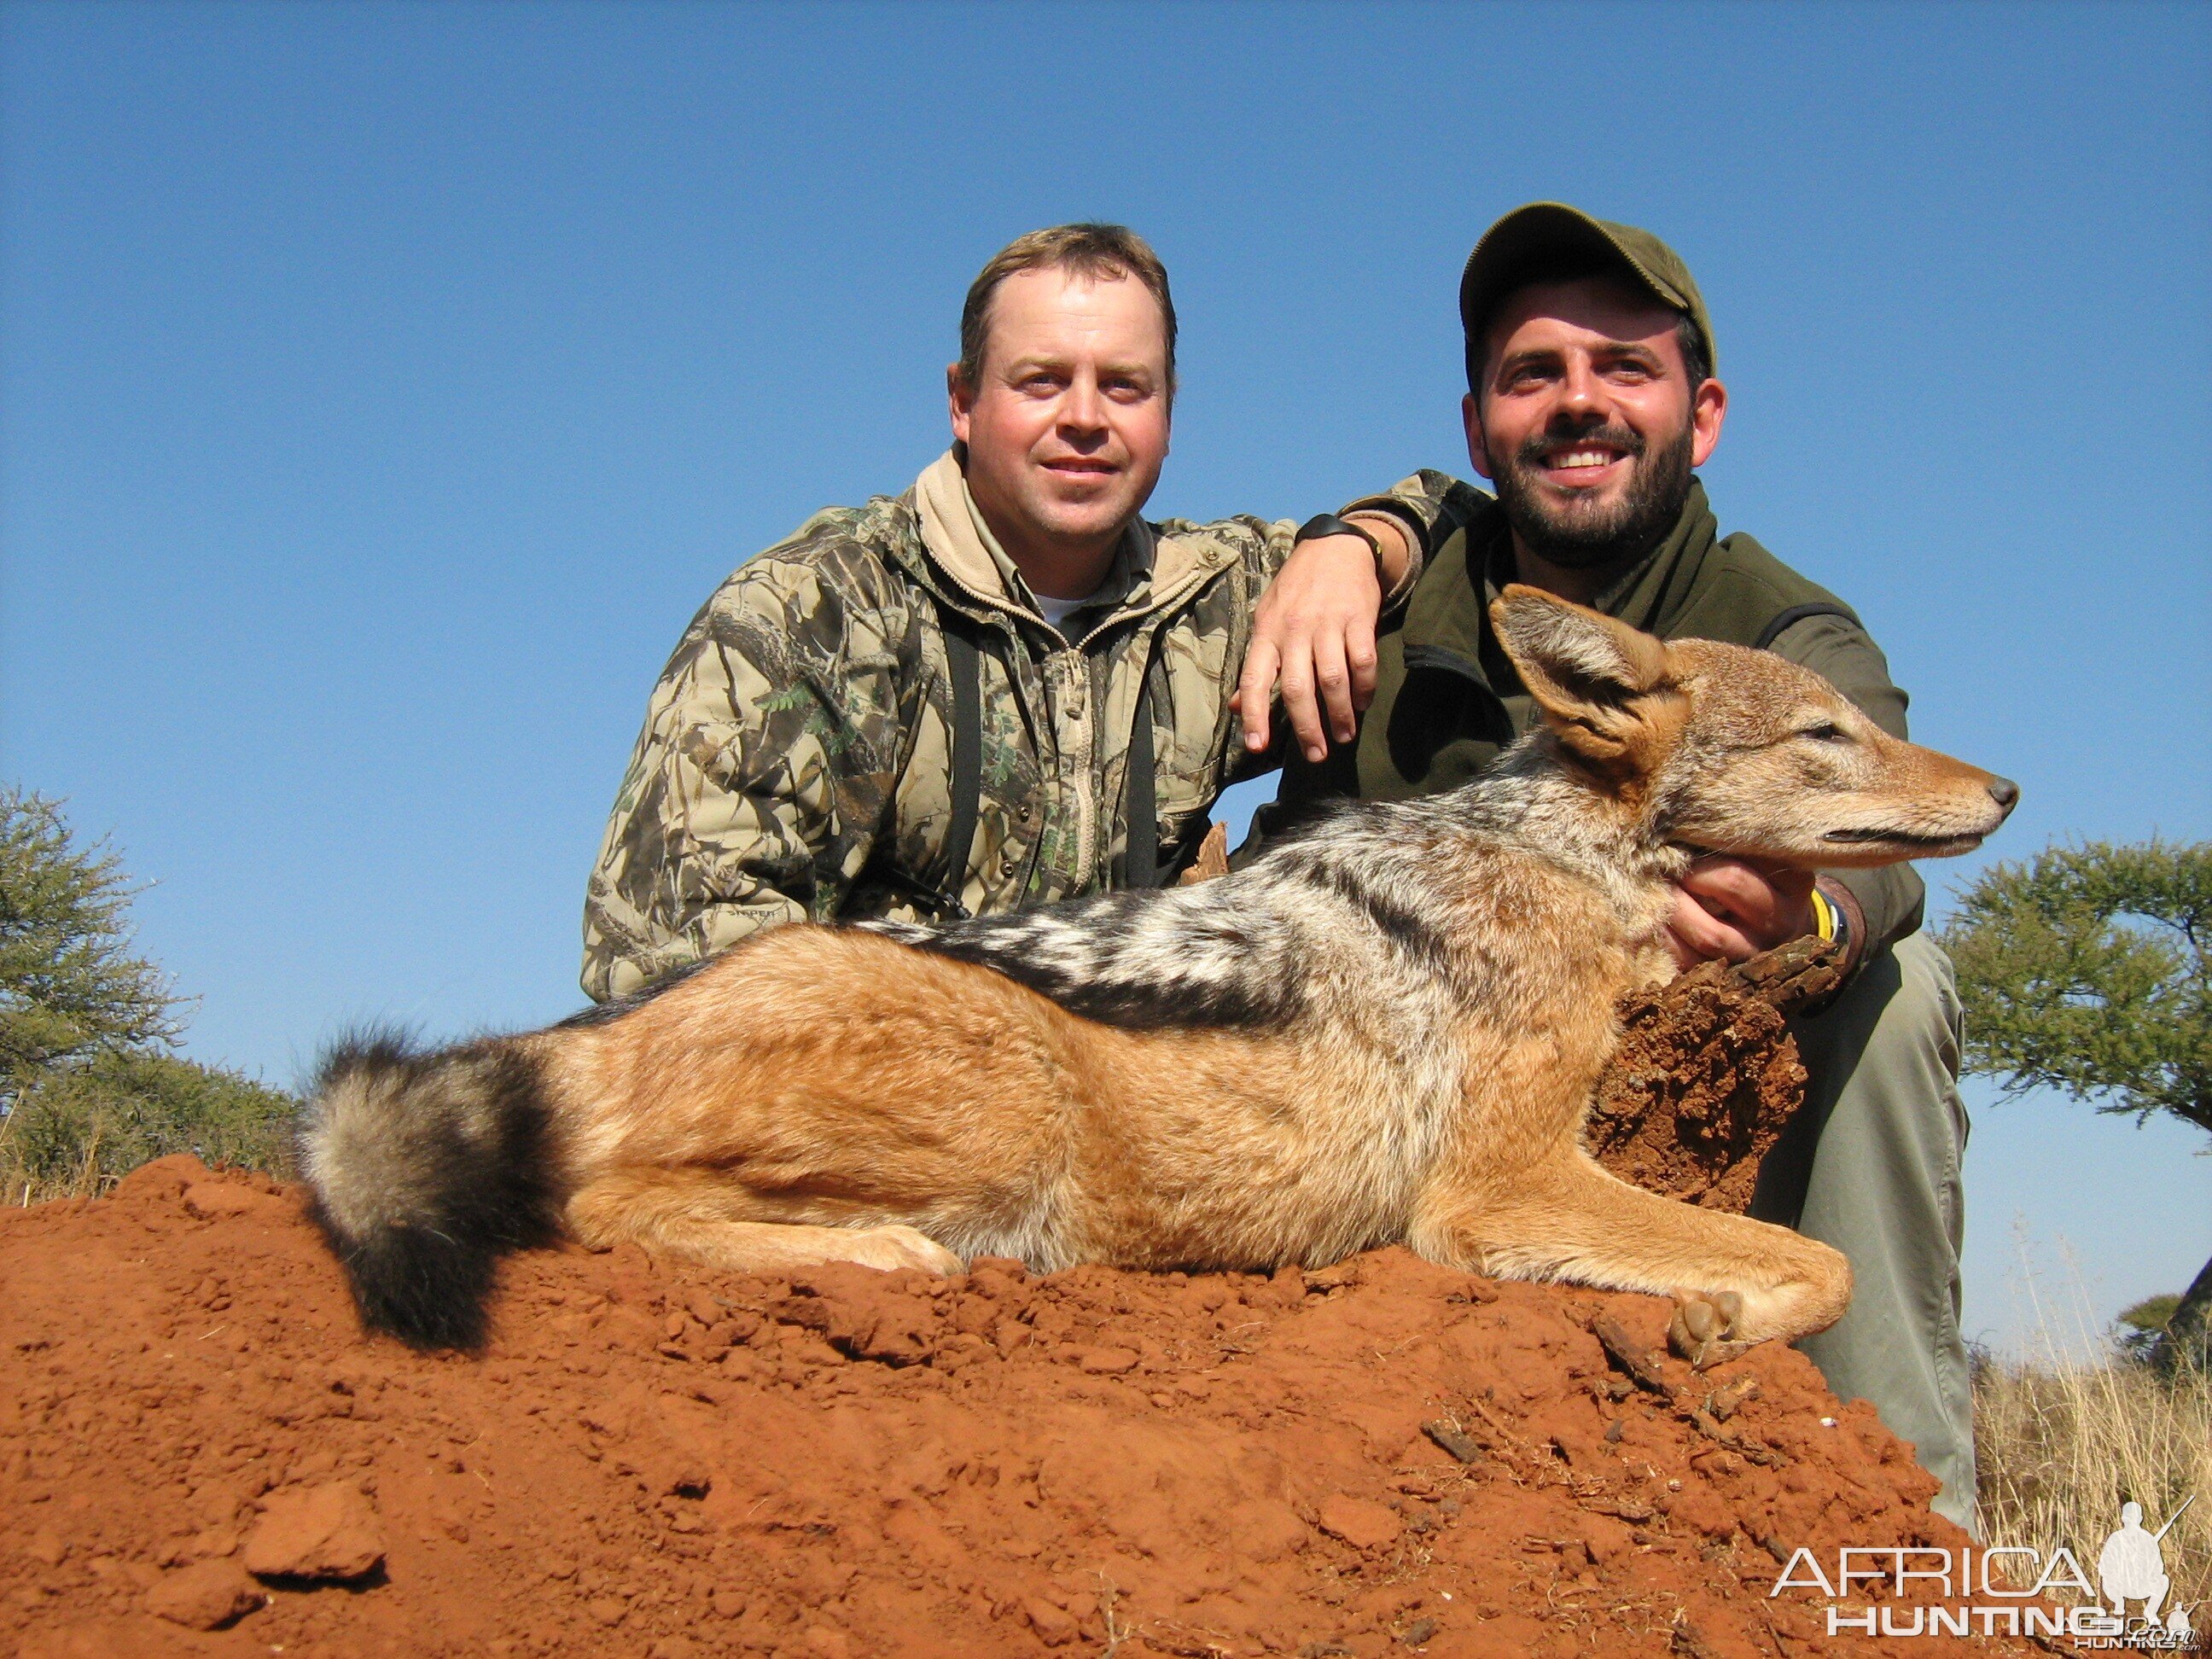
(1977, 1592)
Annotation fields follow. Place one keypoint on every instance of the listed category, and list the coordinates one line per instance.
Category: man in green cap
(1591, 404)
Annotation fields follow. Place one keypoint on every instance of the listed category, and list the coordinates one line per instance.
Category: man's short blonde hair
(1098, 252)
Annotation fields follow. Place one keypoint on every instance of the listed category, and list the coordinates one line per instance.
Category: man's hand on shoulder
(1732, 909)
(1314, 635)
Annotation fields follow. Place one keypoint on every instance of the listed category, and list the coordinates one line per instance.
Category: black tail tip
(422, 1287)
(428, 1166)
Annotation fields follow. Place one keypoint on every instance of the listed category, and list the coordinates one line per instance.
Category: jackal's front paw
(900, 1246)
(1702, 1328)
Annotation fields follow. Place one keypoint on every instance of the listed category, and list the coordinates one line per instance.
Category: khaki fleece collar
(962, 547)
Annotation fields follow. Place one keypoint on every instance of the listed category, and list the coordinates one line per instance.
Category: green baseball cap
(1543, 232)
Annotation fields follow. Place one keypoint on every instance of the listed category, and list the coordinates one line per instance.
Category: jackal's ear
(1586, 671)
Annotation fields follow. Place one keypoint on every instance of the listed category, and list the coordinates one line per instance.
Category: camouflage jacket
(796, 759)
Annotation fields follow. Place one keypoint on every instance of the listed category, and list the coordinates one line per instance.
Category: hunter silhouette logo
(2132, 1567)
(2003, 1593)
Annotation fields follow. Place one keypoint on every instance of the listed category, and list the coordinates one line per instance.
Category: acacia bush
(90, 1085)
(2088, 969)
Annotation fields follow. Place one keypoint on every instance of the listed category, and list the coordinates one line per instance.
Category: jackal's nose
(2004, 792)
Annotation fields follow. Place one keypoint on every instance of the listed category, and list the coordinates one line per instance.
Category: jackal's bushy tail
(426, 1167)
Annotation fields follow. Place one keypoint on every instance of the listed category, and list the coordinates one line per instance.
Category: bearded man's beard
(1579, 533)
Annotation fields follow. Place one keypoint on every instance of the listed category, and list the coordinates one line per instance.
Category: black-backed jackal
(1385, 1030)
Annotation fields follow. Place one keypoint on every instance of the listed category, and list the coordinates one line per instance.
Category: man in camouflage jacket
(798, 757)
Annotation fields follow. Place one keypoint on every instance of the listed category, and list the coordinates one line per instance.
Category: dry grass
(2064, 1442)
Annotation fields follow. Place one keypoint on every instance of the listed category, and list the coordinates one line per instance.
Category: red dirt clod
(1358, 1522)
(325, 1531)
(206, 1596)
(1056, 1627)
(1707, 1074)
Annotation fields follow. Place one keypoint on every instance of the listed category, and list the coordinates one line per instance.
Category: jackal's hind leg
(694, 1213)
(1735, 1281)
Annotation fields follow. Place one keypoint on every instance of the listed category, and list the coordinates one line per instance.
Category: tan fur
(826, 1094)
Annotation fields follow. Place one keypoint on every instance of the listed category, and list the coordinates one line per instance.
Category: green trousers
(1870, 1164)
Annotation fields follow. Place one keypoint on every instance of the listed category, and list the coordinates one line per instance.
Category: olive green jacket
(1448, 699)
(796, 762)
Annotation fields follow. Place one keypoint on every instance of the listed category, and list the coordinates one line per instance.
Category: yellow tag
(1824, 915)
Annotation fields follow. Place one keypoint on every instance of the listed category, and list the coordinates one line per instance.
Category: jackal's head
(1728, 750)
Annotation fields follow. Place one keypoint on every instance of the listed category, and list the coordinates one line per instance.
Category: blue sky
(383, 386)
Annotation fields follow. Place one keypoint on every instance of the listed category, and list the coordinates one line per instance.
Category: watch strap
(1328, 523)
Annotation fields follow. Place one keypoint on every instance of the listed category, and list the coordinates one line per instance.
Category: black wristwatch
(1328, 523)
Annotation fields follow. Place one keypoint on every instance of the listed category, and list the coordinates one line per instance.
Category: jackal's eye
(1825, 731)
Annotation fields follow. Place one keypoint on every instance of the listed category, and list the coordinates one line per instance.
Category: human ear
(960, 398)
(1477, 448)
(1708, 407)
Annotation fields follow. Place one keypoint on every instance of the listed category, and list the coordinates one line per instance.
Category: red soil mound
(200, 1454)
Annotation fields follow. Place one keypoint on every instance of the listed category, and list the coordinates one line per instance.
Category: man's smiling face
(1586, 420)
(1068, 427)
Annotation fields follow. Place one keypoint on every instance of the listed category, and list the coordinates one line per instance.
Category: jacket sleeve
(763, 777)
(1262, 547)
(1430, 504)
(1838, 649)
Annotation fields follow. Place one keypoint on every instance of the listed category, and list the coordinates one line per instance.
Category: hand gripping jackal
(1385, 1030)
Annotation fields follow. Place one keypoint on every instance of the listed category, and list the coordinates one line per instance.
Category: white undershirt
(1057, 612)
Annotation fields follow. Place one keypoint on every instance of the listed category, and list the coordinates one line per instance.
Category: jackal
(1384, 1031)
